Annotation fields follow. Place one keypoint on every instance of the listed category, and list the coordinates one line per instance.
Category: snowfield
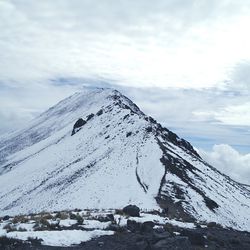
(60, 238)
(118, 157)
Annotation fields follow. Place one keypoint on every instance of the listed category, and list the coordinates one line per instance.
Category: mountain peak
(97, 149)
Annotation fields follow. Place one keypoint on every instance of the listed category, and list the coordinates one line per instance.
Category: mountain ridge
(119, 156)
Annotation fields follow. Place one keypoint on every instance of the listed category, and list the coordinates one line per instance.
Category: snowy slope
(247, 186)
(119, 156)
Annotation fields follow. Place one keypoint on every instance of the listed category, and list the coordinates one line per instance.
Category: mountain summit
(97, 149)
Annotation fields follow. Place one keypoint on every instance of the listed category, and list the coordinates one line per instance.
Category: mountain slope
(115, 155)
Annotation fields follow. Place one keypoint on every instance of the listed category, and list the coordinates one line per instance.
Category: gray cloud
(171, 57)
(229, 161)
(136, 42)
(19, 103)
(240, 77)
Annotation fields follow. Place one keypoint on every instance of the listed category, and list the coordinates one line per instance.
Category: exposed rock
(78, 125)
(100, 112)
(142, 244)
(213, 224)
(142, 236)
(149, 129)
(110, 217)
(147, 226)
(6, 217)
(210, 203)
(178, 243)
(132, 210)
(100, 243)
(133, 226)
(114, 227)
(128, 134)
(161, 235)
(126, 116)
(196, 238)
(89, 117)
(165, 211)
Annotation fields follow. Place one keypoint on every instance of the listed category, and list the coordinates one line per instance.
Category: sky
(186, 63)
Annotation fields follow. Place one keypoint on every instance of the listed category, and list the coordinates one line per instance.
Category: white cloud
(229, 161)
(152, 47)
(19, 103)
(237, 115)
(188, 44)
(240, 77)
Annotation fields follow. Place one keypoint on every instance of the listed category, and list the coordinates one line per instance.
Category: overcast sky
(185, 62)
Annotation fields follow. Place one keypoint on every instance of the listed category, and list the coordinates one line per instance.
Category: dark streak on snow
(144, 186)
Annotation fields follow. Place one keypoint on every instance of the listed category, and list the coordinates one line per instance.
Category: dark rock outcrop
(132, 210)
(195, 237)
(133, 226)
(147, 227)
(6, 217)
(173, 243)
(128, 134)
(78, 125)
(100, 112)
(90, 116)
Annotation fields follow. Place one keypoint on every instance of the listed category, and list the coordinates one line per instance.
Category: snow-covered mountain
(247, 187)
(96, 149)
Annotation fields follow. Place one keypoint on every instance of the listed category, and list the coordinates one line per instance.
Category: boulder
(132, 210)
(108, 217)
(6, 217)
(78, 125)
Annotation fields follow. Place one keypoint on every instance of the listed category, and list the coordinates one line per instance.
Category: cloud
(229, 161)
(175, 43)
(240, 77)
(228, 114)
(20, 103)
(235, 115)
(184, 62)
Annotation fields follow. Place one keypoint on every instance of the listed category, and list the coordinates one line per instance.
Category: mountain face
(96, 149)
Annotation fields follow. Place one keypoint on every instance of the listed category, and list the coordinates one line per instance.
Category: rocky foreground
(119, 230)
